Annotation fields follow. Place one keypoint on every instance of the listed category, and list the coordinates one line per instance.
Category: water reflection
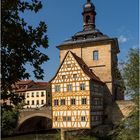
(33, 137)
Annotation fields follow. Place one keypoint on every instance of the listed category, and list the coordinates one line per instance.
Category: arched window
(95, 55)
(88, 19)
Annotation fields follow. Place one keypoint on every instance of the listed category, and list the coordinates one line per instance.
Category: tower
(89, 16)
(98, 54)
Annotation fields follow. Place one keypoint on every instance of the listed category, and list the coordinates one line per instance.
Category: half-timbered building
(77, 101)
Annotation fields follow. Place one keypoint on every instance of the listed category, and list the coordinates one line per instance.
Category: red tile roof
(24, 82)
(42, 83)
(39, 86)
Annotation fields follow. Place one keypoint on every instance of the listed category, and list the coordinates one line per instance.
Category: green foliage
(58, 135)
(87, 138)
(131, 74)
(128, 129)
(21, 43)
(9, 120)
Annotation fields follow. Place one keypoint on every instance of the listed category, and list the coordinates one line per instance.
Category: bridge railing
(49, 108)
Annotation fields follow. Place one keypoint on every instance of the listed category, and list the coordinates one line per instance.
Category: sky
(115, 18)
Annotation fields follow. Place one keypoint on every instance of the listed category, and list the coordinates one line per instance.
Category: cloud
(122, 39)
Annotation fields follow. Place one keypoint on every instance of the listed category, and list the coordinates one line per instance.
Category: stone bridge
(34, 119)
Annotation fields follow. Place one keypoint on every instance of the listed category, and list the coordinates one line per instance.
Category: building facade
(38, 95)
(76, 99)
(88, 61)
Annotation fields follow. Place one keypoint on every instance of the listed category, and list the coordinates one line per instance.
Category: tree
(20, 45)
(9, 121)
(128, 129)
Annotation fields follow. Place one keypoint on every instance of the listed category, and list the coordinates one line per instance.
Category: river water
(34, 137)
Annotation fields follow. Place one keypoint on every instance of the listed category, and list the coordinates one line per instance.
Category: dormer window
(95, 55)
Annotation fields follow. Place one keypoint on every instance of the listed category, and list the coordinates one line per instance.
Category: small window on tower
(88, 19)
(95, 55)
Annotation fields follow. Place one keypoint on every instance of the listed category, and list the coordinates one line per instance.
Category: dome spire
(89, 15)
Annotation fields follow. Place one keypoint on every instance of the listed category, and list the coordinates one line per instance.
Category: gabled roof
(83, 66)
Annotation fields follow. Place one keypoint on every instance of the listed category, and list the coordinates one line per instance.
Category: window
(42, 101)
(64, 118)
(32, 94)
(68, 65)
(83, 118)
(57, 88)
(82, 86)
(84, 101)
(42, 94)
(95, 55)
(69, 118)
(96, 118)
(62, 101)
(33, 102)
(28, 102)
(37, 94)
(69, 87)
(27, 95)
(56, 118)
(72, 101)
(37, 102)
(74, 76)
(63, 77)
(88, 19)
(56, 102)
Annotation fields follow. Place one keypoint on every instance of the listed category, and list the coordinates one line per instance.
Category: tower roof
(89, 33)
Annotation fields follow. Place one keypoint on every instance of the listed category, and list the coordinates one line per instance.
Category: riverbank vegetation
(128, 129)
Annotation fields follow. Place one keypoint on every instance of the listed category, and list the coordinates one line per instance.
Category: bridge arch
(22, 120)
(34, 120)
